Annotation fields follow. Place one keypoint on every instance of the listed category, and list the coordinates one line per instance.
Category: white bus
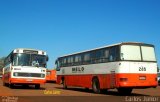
(123, 66)
(26, 67)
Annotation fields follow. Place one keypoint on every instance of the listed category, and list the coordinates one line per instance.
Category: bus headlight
(15, 74)
(42, 75)
(43, 70)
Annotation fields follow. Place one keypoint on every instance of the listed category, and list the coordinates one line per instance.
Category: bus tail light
(123, 79)
(42, 75)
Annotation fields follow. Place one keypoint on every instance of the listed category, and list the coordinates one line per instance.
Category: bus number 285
(142, 68)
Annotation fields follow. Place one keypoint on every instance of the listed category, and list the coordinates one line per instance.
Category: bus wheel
(64, 84)
(37, 86)
(96, 86)
(125, 91)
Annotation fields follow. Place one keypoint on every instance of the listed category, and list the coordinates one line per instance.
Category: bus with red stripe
(25, 67)
(123, 66)
(51, 76)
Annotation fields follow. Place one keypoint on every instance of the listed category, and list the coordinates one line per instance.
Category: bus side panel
(47, 77)
(6, 77)
(105, 81)
(59, 78)
(79, 80)
(86, 80)
(53, 75)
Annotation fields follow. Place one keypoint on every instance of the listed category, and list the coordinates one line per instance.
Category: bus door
(112, 79)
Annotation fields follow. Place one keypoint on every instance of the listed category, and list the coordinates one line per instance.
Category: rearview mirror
(47, 58)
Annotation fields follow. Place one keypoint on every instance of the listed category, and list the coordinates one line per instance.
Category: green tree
(1, 64)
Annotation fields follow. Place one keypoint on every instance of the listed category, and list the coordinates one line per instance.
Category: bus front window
(29, 60)
(39, 60)
(21, 60)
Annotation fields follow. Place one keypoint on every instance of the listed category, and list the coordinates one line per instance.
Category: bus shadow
(29, 87)
(107, 92)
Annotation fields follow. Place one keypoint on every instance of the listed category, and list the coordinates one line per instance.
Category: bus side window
(113, 54)
(106, 55)
(86, 58)
(110, 58)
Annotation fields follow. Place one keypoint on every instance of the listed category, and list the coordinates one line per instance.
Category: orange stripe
(27, 81)
(111, 80)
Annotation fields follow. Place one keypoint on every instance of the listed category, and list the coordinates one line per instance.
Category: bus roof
(20, 50)
(106, 47)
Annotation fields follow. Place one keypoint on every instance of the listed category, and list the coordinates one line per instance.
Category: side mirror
(57, 66)
(47, 58)
(11, 58)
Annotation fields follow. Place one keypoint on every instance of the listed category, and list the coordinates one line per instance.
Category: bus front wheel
(96, 86)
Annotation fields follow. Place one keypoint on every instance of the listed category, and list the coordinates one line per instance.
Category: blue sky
(65, 26)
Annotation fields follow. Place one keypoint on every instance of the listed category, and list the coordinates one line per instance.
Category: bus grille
(28, 75)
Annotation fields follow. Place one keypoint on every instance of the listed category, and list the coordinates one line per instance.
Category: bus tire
(64, 84)
(37, 86)
(125, 91)
(96, 86)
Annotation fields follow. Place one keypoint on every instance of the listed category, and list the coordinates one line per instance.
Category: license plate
(29, 80)
(142, 78)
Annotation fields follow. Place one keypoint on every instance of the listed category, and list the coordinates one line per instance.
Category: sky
(62, 27)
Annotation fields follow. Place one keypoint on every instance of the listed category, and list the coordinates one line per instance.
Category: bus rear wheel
(64, 84)
(125, 91)
(96, 86)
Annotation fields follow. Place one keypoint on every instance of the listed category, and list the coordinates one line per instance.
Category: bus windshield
(139, 53)
(29, 60)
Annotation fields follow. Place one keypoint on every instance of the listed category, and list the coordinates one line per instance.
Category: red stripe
(25, 80)
(110, 80)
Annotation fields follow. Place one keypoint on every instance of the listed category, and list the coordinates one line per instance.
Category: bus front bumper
(27, 81)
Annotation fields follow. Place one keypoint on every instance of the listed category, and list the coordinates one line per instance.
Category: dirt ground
(52, 89)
